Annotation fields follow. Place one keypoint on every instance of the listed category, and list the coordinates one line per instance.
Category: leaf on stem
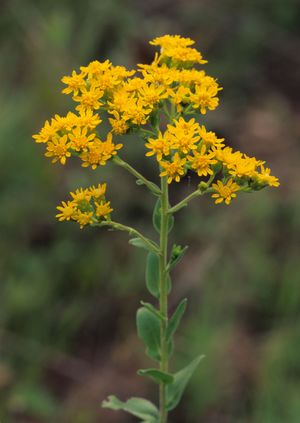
(152, 274)
(153, 310)
(138, 407)
(139, 243)
(156, 217)
(181, 379)
(148, 327)
(157, 375)
(175, 319)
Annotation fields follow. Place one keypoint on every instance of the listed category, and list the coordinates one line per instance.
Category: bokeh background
(68, 297)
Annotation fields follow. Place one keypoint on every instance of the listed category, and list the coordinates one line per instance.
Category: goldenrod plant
(162, 103)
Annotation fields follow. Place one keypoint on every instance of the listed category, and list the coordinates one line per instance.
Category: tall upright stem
(163, 298)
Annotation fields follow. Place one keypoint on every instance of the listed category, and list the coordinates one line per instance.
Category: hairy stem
(163, 298)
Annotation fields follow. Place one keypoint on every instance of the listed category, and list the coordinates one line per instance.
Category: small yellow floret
(225, 192)
(103, 209)
(174, 169)
(201, 162)
(67, 210)
(58, 149)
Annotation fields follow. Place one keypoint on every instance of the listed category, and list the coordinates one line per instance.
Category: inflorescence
(160, 102)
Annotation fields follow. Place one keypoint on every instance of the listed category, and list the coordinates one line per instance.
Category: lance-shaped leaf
(152, 274)
(181, 379)
(138, 407)
(175, 319)
(157, 375)
(139, 243)
(156, 217)
(148, 327)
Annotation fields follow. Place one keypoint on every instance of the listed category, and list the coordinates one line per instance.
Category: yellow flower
(98, 191)
(103, 209)
(201, 162)
(67, 211)
(88, 118)
(62, 123)
(119, 101)
(46, 133)
(137, 112)
(174, 169)
(99, 152)
(95, 68)
(183, 54)
(228, 157)
(209, 138)
(189, 127)
(118, 124)
(58, 149)
(160, 146)
(152, 94)
(156, 74)
(83, 218)
(225, 192)
(178, 48)
(89, 99)
(74, 83)
(79, 138)
(266, 178)
(179, 95)
(191, 77)
(245, 166)
(168, 41)
(204, 97)
(183, 135)
(81, 195)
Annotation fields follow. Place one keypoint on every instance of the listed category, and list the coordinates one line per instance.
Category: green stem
(115, 225)
(153, 187)
(163, 297)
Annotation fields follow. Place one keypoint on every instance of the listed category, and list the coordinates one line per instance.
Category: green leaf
(148, 327)
(138, 407)
(157, 375)
(181, 379)
(138, 242)
(153, 310)
(156, 217)
(175, 319)
(152, 274)
(176, 255)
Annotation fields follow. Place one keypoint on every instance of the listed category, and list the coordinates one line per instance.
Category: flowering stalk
(163, 295)
(170, 89)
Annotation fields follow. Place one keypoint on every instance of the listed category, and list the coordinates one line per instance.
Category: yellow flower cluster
(88, 206)
(157, 102)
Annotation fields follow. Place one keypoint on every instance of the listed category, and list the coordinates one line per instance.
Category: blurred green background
(68, 297)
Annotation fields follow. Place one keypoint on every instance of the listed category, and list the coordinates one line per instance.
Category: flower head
(225, 192)
(174, 169)
(58, 149)
(201, 162)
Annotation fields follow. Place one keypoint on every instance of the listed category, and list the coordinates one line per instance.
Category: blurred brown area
(68, 297)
